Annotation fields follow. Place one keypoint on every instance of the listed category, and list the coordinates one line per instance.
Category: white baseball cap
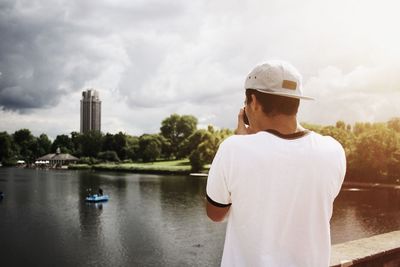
(277, 78)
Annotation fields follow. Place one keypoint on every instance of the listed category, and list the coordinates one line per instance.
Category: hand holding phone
(242, 121)
(245, 119)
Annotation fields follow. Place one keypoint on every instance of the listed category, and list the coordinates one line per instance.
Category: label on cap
(289, 84)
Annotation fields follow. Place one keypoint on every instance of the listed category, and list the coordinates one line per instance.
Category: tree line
(372, 149)
(178, 138)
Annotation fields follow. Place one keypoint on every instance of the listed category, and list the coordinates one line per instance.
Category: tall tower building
(90, 111)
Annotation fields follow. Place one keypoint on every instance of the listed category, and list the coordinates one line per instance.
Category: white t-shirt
(282, 192)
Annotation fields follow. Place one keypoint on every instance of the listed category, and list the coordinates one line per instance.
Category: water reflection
(364, 213)
(99, 222)
(150, 220)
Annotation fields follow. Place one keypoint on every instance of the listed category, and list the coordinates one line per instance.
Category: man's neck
(281, 123)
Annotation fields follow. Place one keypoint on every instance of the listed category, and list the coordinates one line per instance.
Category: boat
(97, 198)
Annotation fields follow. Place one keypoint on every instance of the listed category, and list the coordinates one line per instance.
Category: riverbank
(370, 185)
(178, 167)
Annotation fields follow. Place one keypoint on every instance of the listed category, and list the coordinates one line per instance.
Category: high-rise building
(90, 111)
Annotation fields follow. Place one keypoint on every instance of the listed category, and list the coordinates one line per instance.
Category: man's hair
(274, 104)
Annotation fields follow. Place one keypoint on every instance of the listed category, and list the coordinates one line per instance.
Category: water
(150, 220)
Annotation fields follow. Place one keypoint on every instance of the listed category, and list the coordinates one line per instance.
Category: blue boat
(97, 198)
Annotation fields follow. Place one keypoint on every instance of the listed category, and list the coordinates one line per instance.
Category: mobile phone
(245, 119)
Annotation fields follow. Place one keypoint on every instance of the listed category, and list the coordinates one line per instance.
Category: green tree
(192, 142)
(108, 156)
(22, 136)
(25, 143)
(6, 148)
(76, 144)
(108, 142)
(341, 134)
(207, 146)
(175, 129)
(150, 146)
(63, 142)
(44, 145)
(132, 150)
(117, 142)
(375, 154)
(91, 143)
(121, 145)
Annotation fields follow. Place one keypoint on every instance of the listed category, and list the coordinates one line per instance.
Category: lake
(150, 220)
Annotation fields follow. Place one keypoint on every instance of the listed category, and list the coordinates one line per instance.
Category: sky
(151, 58)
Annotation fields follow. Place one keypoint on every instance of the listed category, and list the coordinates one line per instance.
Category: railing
(379, 250)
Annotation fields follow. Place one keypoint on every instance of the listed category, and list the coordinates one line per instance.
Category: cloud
(149, 58)
(50, 49)
(366, 93)
(39, 62)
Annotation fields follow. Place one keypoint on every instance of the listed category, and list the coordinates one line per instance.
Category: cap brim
(286, 94)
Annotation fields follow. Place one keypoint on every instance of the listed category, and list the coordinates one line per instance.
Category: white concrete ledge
(378, 250)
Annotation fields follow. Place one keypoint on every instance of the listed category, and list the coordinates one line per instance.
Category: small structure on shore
(57, 160)
(21, 163)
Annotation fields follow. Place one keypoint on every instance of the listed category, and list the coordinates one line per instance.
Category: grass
(158, 167)
(79, 166)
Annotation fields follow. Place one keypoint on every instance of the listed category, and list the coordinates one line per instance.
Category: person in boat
(100, 191)
(273, 180)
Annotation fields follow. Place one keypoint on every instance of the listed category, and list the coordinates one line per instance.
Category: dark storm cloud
(49, 49)
(34, 58)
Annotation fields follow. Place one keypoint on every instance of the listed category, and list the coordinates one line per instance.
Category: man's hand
(241, 127)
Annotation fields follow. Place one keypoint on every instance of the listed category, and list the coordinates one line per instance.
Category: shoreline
(159, 168)
(370, 185)
(178, 167)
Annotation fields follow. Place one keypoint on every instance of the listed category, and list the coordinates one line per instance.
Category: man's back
(281, 189)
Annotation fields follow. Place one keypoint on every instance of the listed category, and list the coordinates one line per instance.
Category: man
(275, 181)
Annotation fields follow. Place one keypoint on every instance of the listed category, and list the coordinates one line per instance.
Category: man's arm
(216, 211)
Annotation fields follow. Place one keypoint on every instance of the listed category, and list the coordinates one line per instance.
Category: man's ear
(254, 103)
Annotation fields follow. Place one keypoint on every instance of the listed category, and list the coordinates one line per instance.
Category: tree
(63, 142)
(108, 142)
(91, 143)
(192, 142)
(76, 143)
(150, 146)
(6, 147)
(25, 143)
(203, 153)
(132, 149)
(340, 133)
(44, 145)
(376, 153)
(394, 124)
(120, 144)
(117, 143)
(22, 136)
(176, 129)
(108, 156)
(207, 146)
(341, 125)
